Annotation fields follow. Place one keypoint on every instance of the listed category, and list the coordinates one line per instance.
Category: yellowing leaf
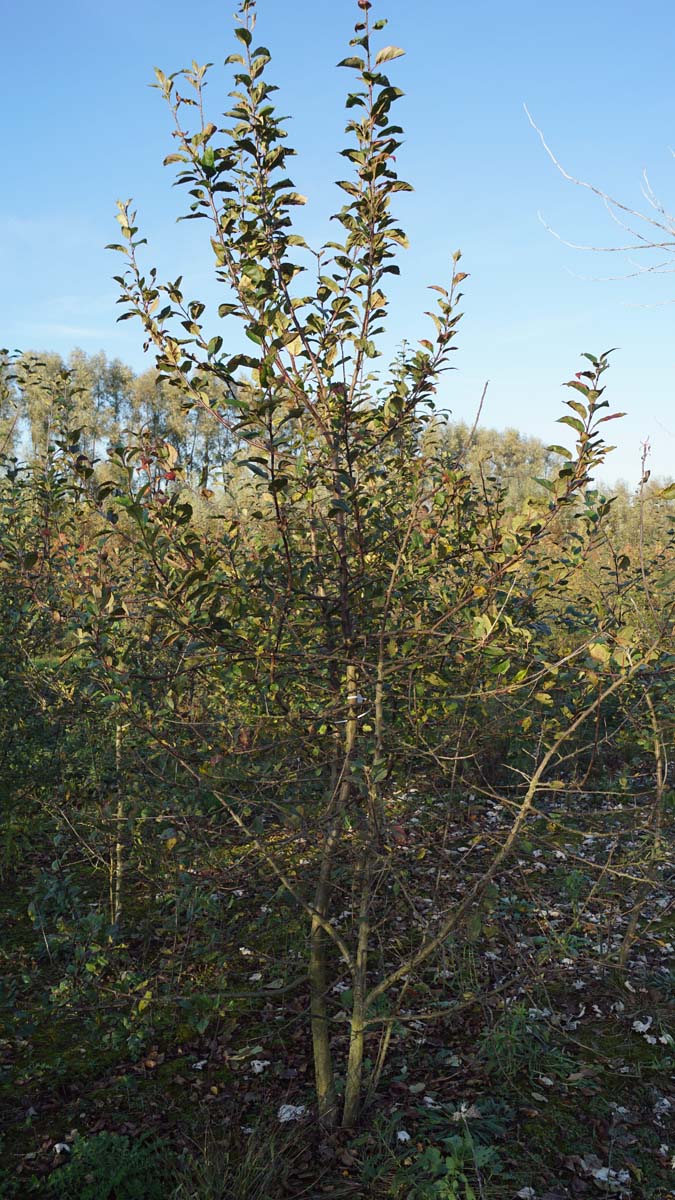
(387, 53)
(171, 454)
(434, 679)
(600, 652)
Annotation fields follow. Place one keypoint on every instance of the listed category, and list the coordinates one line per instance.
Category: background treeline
(107, 400)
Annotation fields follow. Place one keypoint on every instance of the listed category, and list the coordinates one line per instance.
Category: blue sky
(83, 128)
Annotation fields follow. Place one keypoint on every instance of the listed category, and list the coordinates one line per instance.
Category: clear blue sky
(82, 128)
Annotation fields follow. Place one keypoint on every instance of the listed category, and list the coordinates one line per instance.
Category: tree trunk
(318, 983)
(353, 1082)
(117, 865)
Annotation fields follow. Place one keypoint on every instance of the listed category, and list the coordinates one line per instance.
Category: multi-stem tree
(355, 626)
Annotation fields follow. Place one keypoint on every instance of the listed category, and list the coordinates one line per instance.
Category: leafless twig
(660, 232)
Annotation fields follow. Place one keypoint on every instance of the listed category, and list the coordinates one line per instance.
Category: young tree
(373, 608)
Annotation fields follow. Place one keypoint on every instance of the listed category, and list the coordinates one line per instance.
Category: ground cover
(525, 1058)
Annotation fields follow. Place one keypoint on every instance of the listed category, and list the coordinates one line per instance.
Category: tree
(158, 409)
(95, 393)
(374, 610)
(9, 407)
(499, 459)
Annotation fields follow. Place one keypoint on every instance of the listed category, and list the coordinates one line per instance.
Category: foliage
(446, 1174)
(514, 1045)
(111, 1166)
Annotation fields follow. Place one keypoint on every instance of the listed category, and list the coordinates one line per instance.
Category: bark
(354, 1079)
(118, 864)
(318, 982)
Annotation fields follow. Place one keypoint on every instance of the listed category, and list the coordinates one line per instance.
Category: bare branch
(627, 218)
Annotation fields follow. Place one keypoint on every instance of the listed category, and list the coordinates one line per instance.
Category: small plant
(111, 1167)
(512, 1046)
(250, 1166)
(575, 885)
(447, 1173)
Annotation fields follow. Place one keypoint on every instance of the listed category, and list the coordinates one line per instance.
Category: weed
(252, 1166)
(513, 1046)
(446, 1173)
(108, 1166)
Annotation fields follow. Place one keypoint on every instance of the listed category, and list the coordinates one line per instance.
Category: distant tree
(95, 393)
(106, 397)
(10, 411)
(501, 459)
(159, 408)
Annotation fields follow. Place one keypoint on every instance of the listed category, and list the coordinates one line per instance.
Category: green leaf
(573, 422)
(435, 680)
(578, 408)
(252, 466)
